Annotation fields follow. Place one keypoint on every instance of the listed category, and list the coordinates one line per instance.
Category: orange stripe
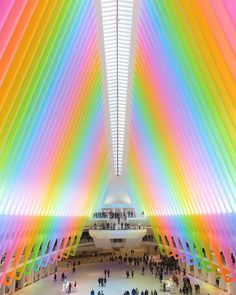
(10, 24)
(220, 37)
(19, 56)
(16, 39)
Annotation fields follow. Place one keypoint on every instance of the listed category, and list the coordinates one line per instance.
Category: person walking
(55, 277)
(69, 289)
(63, 276)
(161, 277)
(132, 273)
(127, 274)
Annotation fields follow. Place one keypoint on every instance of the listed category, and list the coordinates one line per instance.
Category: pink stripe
(230, 6)
(10, 24)
(5, 7)
(226, 21)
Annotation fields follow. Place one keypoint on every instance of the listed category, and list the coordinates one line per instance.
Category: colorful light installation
(182, 151)
(53, 151)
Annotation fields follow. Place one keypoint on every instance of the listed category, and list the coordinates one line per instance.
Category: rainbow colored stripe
(182, 151)
(53, 143)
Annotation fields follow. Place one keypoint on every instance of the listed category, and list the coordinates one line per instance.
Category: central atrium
(118, 147)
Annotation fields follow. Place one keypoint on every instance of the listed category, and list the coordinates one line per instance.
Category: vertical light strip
(117, 42)
(117, 83)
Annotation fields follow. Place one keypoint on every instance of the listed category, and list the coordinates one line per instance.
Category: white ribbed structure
(117, 26)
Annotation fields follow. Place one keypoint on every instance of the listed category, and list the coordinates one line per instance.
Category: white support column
(32, 277)
(22, 281)
(232, 288)
(188, 269)
(2, 290)
(13, 286)
(211, 278)
(196, 274)
(223, 284)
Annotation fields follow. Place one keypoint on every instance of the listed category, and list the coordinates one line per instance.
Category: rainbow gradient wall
(54, 165)
(182, 150)
(53, 151)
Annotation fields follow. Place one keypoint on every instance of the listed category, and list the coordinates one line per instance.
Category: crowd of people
(130, 274)
(197, 288)
(112, 225)
(67, 285)
(115, 214)
(148, 238)
(146, 265)
(99, 292)
(137, 292)
(120, 225)
(85, 237)
(102, 281)
(187, 286)
(130, 259)
(166, 266)
(116, 220)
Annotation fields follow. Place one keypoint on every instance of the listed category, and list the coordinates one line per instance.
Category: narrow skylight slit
(117, 18)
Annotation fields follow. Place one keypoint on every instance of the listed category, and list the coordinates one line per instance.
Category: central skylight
(117, 16)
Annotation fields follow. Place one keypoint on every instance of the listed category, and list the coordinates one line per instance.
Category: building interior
(117, 147)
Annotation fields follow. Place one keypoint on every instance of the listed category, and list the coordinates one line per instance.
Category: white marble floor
(86, 276)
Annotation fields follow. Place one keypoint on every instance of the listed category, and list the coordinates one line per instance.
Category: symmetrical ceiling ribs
(53, 151)
(117, 17)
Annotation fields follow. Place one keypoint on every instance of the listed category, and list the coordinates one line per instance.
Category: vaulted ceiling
(143, 91)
